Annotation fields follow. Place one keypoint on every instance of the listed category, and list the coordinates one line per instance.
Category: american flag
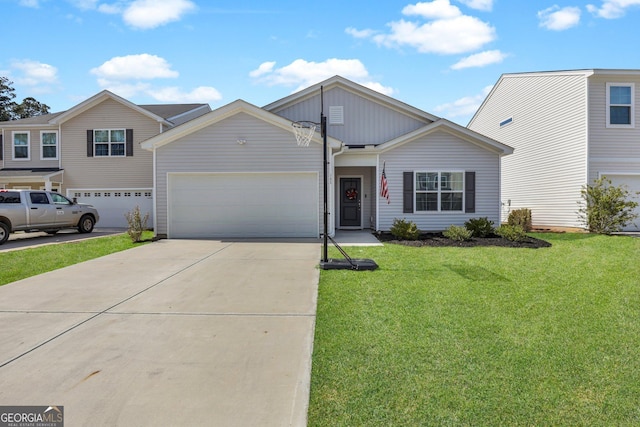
(384, 189)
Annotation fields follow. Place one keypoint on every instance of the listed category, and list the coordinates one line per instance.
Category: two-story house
(239, 172)
(567, 128)
(91, 152)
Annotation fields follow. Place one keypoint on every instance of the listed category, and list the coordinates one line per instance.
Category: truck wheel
(4, 232)
(86, 224)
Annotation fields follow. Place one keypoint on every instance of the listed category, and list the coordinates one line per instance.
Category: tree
(7, 106)
(606, 208)
(30, 108)
(10, 110)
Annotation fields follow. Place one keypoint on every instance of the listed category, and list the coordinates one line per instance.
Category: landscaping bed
(438, 240)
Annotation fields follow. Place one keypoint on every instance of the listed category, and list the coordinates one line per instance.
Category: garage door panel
(633, 185)
(113, 204)
(243, 205)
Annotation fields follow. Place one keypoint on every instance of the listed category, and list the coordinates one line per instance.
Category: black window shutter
(407, 192)
(129, 141)
(89, 142)
(1, 147)
(470, 192)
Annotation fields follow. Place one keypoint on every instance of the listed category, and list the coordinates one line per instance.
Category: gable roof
(219, 114)
(451, 128)
(339, 81)
(174, 112)
(101, 97)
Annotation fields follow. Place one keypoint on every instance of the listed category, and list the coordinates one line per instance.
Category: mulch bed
(438, 240)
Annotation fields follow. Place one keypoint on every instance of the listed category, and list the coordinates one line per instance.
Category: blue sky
(441, 56)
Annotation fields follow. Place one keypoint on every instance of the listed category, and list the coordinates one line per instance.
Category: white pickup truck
(31, 210)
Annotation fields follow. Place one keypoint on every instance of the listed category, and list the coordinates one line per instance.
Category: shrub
(406, 230)
(606, 208)
(515, 233)
(479, 227)
(137, 223)
(521, 217)
(458, 233)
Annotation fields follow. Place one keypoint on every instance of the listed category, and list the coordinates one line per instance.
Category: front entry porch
(355, 198)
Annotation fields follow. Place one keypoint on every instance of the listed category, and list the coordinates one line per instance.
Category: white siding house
(560, 125)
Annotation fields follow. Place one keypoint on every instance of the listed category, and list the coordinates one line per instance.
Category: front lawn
(20, 264)
(481, 336)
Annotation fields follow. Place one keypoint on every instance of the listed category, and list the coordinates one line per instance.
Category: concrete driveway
(177, 332)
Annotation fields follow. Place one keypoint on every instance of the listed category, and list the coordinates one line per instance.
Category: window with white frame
(109, 142)
(620, 105)
(21, 145)
(439, 191)
(49, 144)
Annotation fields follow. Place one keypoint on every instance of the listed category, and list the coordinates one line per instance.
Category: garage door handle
(34, 208)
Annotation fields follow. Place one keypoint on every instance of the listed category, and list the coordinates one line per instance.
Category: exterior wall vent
(506, 122)
(336, 115)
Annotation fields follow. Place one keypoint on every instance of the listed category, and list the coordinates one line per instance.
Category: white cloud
(559, 19)
(146, 14)
(437, 9)
(485, 5)
(301, 74)
(201, 94)
(612, 9)
(466, 106)
(143, 66)
(481, 59)
(447, 30)
(359, 34)
(30, 3)
(34, 73)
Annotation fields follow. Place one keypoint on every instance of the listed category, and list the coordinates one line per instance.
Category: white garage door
(633, 185)
(243, 205)
(113, 204)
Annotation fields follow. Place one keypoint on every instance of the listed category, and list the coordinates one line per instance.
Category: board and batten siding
(365, 122)
(215, 149)
(440, 152)
(107, 172)
(612, 150)
(549, 135)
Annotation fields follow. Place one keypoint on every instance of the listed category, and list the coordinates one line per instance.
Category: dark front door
(350, 202)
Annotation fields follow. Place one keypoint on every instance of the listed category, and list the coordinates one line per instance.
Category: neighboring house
(567, 128)
(91, 152)
(238, 172)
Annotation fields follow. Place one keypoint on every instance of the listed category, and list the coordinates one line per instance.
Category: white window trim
(13, 146)
(609, 105)
(124, 154)
(439, 211)
(42, 145)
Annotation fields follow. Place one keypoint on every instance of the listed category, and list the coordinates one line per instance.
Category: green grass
(481, 336)
(20, 264)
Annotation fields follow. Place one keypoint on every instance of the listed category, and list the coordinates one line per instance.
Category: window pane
(117, 135)
(426, 202)
(101, 136)
(49, 152)
(451, 202)
(620, 95)
(620, 115)
(102, 149)
(421, 202)
(426, 181)
(20, 139)
(117, 149)
(21, 152)
(49, 139)
(456, 180)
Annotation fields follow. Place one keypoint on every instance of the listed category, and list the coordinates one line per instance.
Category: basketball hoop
(304, 131)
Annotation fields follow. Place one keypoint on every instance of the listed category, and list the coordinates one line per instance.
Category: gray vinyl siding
(365, 122)
(440, 152)
(35, 151)
(107, 172)
(549, 136)
(215, 149)
(612, 150)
